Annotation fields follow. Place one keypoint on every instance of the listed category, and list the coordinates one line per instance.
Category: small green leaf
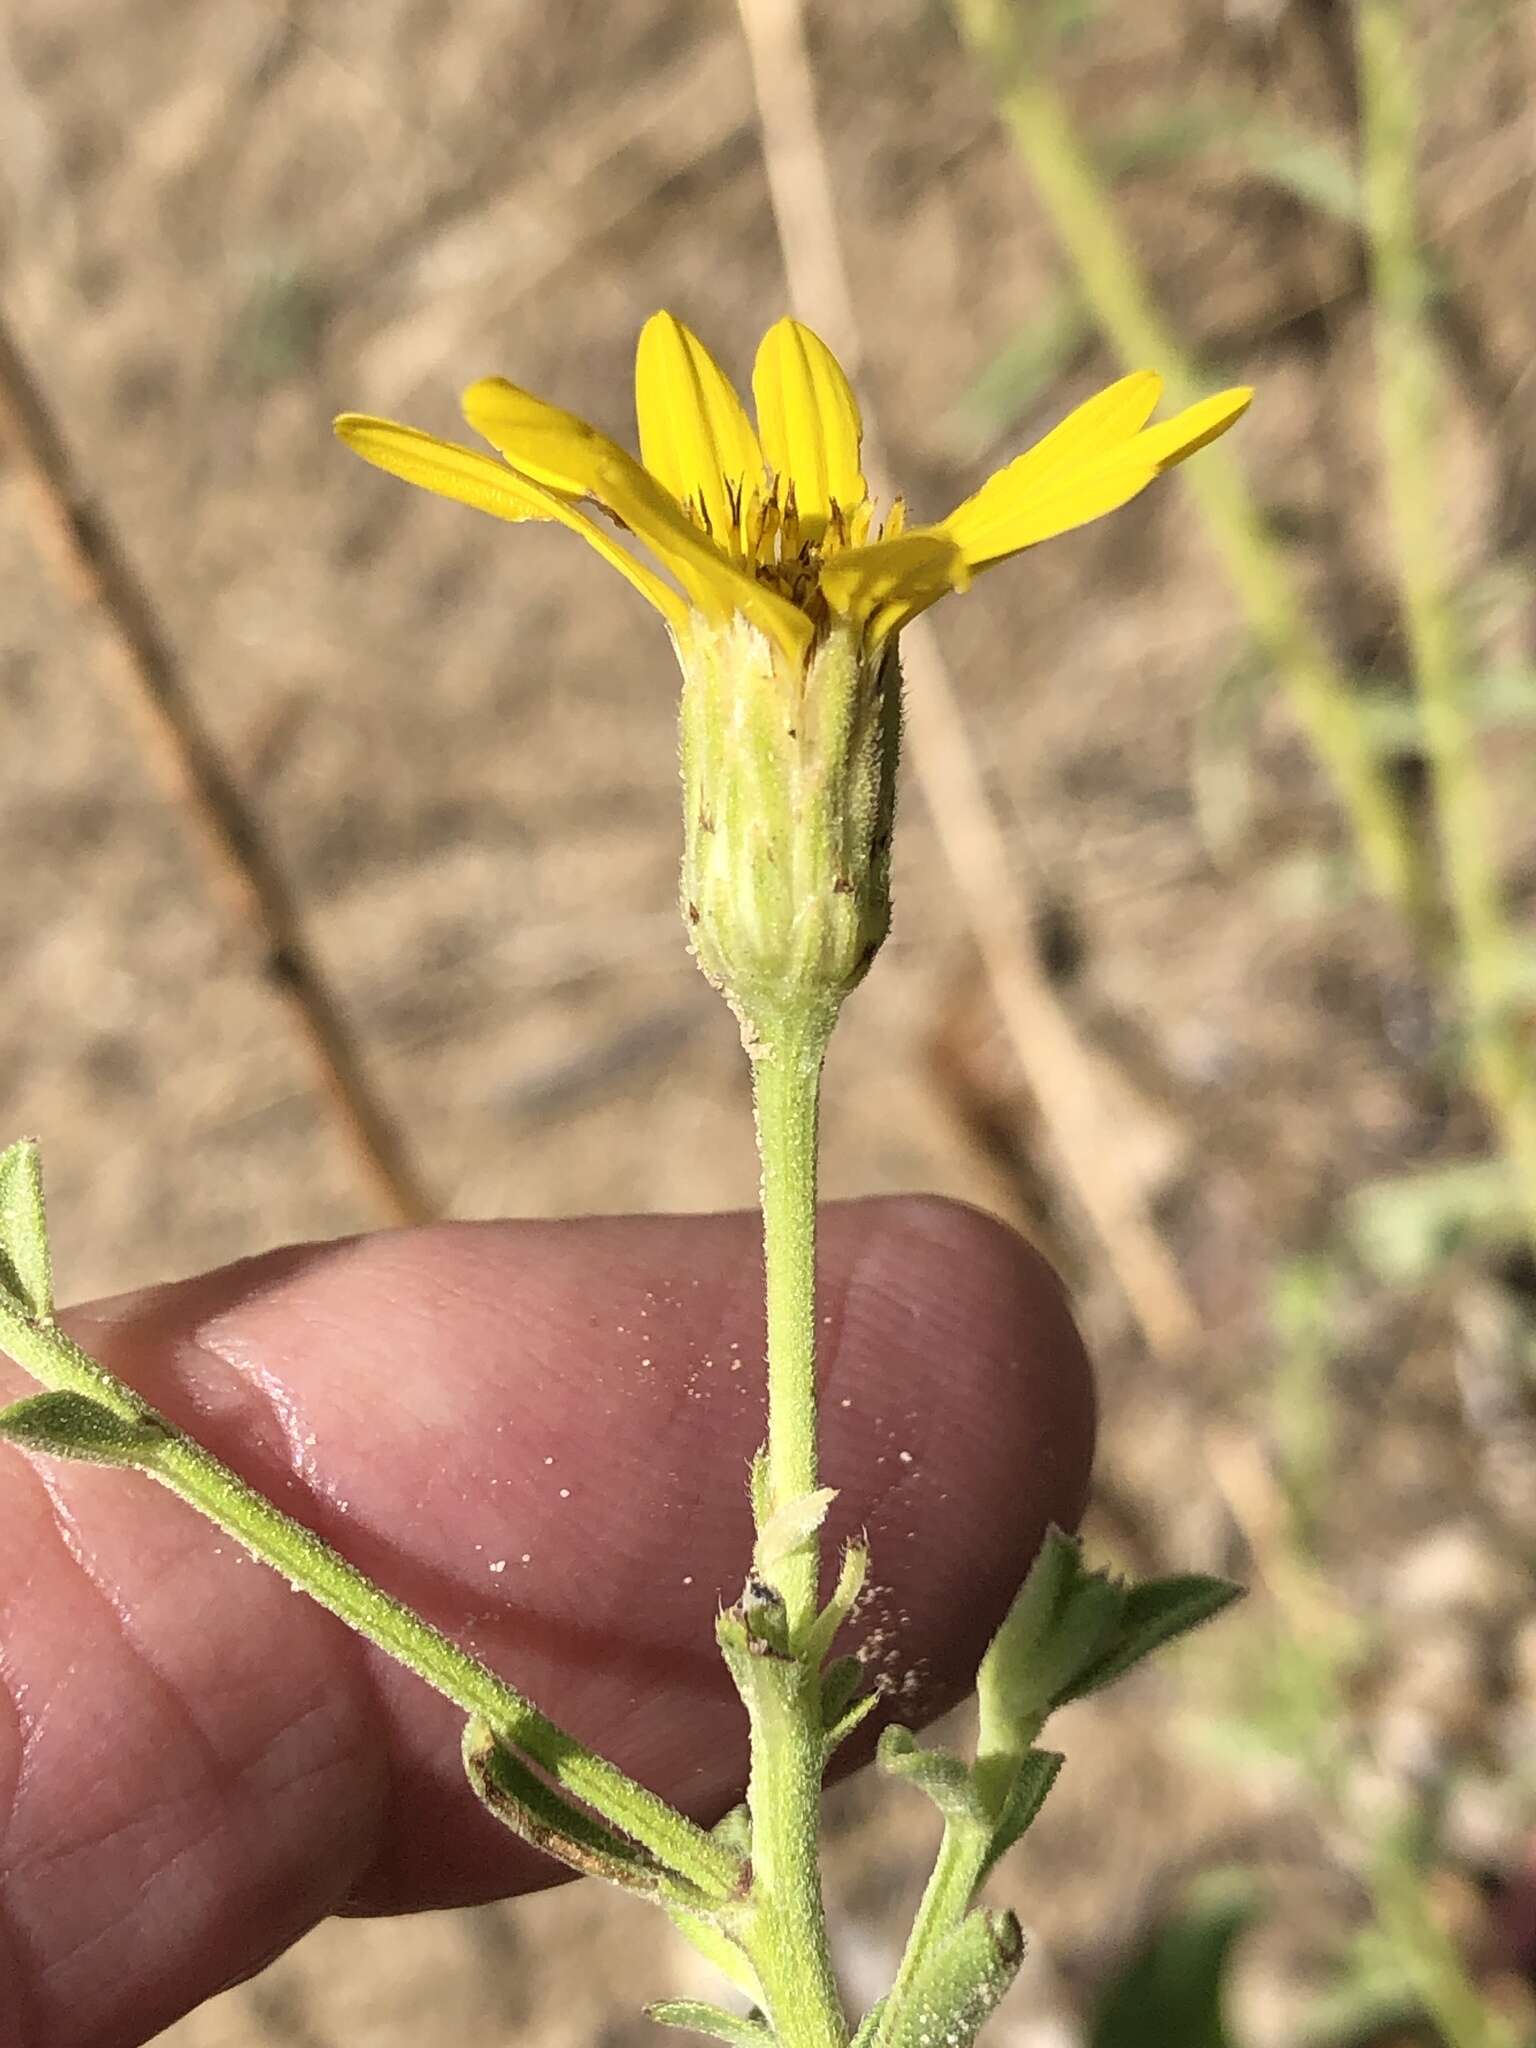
(843, 1706)
(850, 1584)
(765, 1617)
(757, 1486)
(735, 1830)
(1171, 1988)
(956, 1987)
(788, 1527)
(947, 1779)
(839, 1683)
(857, 1712)
(716, 1946)
(1063, 1618)
(868, 2025)
(524, 1802)
(65, 1425)
(711, 2020)
(1155, 1612)
(1030, 1788)
(26, 1264)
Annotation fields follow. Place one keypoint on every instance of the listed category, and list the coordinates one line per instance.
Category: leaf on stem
(869, 2025)
(959, 1984)
(788, 1527)
(1070, 1631)
(1155, 1612)
(734, 1829)
(1027, 1794)
(850, 1584)
(858, 1712)
(710, 2020)
(843, 1706)
(840, 1682)
(946, 1779)
(26, 1264)
(524, 1802)
(1063, 1619)
(65, 1425)
(717, 1947)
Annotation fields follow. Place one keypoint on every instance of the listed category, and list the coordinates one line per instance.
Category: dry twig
(94, 571)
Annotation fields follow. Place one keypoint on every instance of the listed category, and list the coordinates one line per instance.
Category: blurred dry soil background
(222, 225)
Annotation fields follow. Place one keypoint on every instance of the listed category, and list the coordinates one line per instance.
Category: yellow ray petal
(558, 450)
(475, 479)
(695, 436)
(1107, 420)
(891, 581)
(1024, 504)
(1196, 427)
(809, 421)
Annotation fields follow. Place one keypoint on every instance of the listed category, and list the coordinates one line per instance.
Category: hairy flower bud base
(789, 789)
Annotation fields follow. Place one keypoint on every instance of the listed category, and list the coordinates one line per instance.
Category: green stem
(1502, 1069)
(1431, 1965)
(1078, 201)
(946, 1900)
(788, 1929)
(786, 1088)
(313, 1567)
(788, 1943)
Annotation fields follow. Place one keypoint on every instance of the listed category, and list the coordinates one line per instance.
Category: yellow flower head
(773, 524)
(784, 600)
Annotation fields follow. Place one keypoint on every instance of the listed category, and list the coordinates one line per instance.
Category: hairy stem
(789, 1942)
(786, 1076)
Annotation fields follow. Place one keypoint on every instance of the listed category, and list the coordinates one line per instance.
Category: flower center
(784, 548)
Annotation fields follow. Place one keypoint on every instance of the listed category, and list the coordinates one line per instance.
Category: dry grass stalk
(93, 570)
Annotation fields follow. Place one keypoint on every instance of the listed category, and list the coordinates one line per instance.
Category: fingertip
(961, 1398)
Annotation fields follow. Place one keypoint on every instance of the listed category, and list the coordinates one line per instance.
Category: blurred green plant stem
(1501, 1062)
(1482, 957)
(1076, 196)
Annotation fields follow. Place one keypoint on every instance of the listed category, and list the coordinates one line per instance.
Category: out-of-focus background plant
(349, 839)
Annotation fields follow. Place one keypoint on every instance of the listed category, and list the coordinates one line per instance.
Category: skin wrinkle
(364, 1708)
(164, 1877)
(224, 1777)
(17, 1981)
(183, 1719)
(861, 1270)
(577, 1648)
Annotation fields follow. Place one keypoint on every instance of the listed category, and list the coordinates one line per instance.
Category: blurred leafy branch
(1439, 873)
(1443, 881)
